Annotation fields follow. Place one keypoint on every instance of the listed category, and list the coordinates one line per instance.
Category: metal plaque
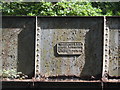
(69, 48)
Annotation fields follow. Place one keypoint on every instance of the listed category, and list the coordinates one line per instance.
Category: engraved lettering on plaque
(69, 48)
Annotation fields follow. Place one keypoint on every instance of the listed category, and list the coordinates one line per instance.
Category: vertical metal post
(37, 51)
(105, 51)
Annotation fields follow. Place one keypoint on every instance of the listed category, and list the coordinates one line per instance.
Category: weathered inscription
(69, 48)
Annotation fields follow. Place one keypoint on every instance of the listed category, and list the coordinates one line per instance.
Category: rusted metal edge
(66, 16)
(20, 16)
(67, 80)
(54, 16)
(40, 80)
(112, 16)
(70, 16)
